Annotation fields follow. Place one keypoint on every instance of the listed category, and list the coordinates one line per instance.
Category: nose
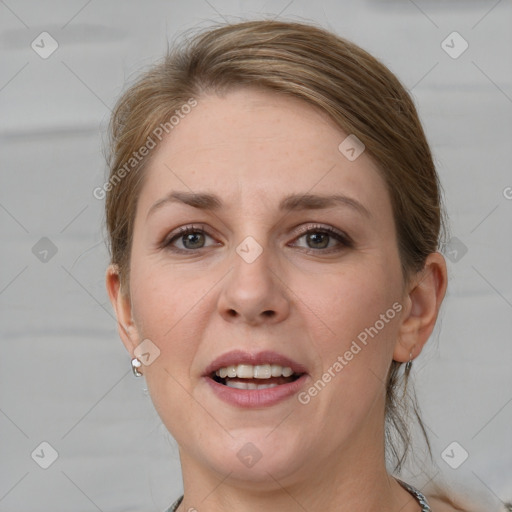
(253, 293)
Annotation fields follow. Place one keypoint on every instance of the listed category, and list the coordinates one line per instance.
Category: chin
(255, 459)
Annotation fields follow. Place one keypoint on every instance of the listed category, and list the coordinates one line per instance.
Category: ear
(122, 306)
(421, 307)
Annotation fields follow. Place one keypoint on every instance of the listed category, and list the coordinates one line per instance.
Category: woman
(274, 218)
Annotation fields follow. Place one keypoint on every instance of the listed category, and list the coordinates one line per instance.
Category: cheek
(171, 311)
(353, 315)
(168, 309)
(350, 301)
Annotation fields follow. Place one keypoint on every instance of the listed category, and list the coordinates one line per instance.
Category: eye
(190, 237)
(320, 238)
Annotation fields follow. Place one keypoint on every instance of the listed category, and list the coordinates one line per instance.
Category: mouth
(254, 380)
(247, 376)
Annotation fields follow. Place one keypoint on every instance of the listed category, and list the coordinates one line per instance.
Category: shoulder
(440, 505)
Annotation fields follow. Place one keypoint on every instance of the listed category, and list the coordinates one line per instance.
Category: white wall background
(64, 374)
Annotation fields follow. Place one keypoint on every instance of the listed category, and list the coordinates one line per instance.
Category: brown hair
(359, 93)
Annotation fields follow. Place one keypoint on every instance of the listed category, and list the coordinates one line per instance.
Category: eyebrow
(293, 202)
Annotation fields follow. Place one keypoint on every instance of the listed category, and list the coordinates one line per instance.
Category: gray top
(417, 494)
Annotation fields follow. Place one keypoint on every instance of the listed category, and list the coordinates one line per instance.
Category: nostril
(268, 313)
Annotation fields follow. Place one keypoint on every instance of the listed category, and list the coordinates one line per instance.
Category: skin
(252, 148)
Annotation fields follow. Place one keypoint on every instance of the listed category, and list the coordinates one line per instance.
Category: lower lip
(253, 398)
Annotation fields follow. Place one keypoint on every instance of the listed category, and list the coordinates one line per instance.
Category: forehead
(253, 147)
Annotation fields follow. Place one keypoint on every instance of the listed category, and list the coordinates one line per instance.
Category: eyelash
(342, 238)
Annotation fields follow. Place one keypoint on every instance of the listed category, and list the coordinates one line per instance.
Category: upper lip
(236, 357)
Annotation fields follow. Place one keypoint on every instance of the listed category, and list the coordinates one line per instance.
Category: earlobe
(121, 303)
(423, 301)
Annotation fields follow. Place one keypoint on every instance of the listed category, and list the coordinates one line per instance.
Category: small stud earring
(136, 364)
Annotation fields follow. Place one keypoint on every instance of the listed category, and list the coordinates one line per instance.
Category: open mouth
(247, 376)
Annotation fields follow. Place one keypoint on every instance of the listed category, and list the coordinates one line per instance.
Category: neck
(354, 478)
(385, 495)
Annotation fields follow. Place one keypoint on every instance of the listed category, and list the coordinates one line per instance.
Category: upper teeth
(260, 371)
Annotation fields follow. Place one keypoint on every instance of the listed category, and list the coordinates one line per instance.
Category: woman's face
(260, 280)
